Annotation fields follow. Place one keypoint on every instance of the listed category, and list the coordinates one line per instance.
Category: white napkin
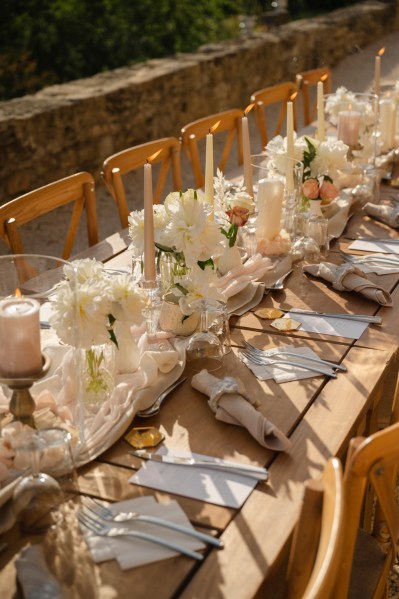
(337, 327)
(221, 487)
(236, 279)
(384, 247)
(132, 552)
(338, 214)
(35, 578)
(350, 277)
(377, 267)
(386, 214)
(283, 373)
(230, 403)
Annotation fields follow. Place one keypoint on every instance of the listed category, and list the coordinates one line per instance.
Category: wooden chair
(318, 537)
(305, 81)
(77, 189)
(165, 151)
(370, 552)
(229, 122)
(276, 94)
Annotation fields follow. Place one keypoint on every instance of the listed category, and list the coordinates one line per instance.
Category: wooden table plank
(258, 536)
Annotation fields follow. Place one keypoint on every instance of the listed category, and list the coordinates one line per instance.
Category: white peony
(136, 227)
(127, 302)
(331, 156)
(189, 229)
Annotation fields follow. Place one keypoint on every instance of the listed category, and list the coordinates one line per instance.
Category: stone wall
(75, 126)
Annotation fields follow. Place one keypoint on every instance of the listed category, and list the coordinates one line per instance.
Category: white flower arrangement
(94, 305)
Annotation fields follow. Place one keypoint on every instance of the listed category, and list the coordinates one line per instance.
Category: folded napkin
(132, 552)
(236, 279)
(386, 214)
(348, 277)
(379, 268)
(338, 213)
(35, 578)
(230, 403)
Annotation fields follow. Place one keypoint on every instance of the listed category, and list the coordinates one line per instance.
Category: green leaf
(204, 263)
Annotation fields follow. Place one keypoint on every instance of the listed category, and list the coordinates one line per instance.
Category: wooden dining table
(319, 415)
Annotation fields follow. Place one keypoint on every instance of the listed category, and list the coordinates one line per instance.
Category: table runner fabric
(386, 214)
(230, 403)
(348, 277)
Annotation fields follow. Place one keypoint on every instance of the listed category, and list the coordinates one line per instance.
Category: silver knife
(373, 240)
(244, 469)
(358, 317)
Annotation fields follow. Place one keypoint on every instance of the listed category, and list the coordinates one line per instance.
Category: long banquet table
(319, 415)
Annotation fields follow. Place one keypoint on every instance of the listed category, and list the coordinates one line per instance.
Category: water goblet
(37, 493)
(204, 349)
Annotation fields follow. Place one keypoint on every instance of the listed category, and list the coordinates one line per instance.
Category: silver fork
(106, 513)
(273, 352)
(263, 361)
(99, 527)
(156, 406)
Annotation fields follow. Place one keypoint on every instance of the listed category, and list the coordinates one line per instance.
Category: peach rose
(238, 215)
(310, 189)
(328, 191)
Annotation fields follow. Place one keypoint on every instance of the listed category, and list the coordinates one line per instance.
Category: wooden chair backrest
(276, 94)
(228, 121)
(77, 189)
(166, 151)
(371, 461)
(317, 543)
(305, 81)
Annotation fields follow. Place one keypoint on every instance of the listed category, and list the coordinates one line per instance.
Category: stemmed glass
(204, 349)
(37, 493)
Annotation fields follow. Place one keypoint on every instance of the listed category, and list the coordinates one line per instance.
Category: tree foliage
(51, 41)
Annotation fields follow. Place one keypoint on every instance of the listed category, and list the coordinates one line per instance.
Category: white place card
(375, 246)
(337, 327)
(205, 484)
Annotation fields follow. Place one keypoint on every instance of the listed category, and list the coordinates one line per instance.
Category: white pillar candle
(387, 124)
(320, 111)
(377, 75)
(209, 169)
(290, 147)
(269, 204)
(20, 353)
(149, 243)
(246, 152)
(348, 127)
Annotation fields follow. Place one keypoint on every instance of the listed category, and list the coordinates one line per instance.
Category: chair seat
(368, 562)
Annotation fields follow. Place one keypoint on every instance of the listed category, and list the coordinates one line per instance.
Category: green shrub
(51, 41)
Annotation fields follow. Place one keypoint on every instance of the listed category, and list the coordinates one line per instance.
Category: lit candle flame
(248, 109)
(151, 158)
(214, 127)
(18, 293)
(381, 51)
(293, 96)
(324, 77)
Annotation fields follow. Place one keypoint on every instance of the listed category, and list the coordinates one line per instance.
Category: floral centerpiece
(321, 163)
(102, 308)
(188, 240)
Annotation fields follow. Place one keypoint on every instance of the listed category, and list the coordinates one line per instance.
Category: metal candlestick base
(22, 404)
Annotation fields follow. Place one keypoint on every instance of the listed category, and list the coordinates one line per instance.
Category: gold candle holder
(22, 404)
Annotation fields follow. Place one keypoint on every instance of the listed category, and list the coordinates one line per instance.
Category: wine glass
(37, 493)
(204, 349)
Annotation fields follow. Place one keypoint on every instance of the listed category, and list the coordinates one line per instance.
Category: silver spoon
(279, 284)
(155, 407)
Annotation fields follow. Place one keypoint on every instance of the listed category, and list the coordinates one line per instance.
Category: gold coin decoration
(269, 313)
(285, 324)
(144, 436)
